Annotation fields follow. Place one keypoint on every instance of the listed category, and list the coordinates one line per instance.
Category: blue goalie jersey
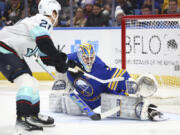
(89, 90)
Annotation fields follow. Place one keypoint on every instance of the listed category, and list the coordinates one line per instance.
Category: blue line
(85, 28)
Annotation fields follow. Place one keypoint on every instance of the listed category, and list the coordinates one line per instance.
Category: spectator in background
(166, 4)
(88, 9)
(134, 3)
(65, 12)
(97, 19)
(146, 9)
(62, 2)
(126, 6)
(78, 20)
(34, 7)
(85, 2)
(107, 13)
(2, 13)
(157, 5)
(119, 13)
(23, 13)
(107, 10)
(172, 8)
(100, 2)
(108, 2)
(14, 10)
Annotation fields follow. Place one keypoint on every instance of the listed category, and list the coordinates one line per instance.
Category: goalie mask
(46, 7)
(86, 56)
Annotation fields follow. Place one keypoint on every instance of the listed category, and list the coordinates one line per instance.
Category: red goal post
(151, 23)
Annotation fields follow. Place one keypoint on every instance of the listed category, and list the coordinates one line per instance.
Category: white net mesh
(153, 46)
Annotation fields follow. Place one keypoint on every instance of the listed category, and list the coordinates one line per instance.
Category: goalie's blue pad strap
(81, 104)
(25, 93)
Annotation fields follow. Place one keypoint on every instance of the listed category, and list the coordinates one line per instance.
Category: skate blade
(46, 126)
(49, 126)
(164, 118)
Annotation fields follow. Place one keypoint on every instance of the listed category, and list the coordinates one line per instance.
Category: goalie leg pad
(130, 107)
(69, 107)
(55, 101)
(60, 102)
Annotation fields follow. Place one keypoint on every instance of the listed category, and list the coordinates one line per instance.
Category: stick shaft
(95, 78)
(37, 60)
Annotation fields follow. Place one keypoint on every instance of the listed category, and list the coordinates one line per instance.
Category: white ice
(81, 125)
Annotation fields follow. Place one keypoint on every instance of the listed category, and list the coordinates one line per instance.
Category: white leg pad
(60, 102)
(69, 107)
(55, 101)
(130, 107)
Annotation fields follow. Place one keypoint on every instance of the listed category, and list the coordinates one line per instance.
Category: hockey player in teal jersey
(28, 37)
(89, 89)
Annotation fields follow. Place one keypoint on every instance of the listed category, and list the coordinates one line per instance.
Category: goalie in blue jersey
(89, 89)
(95, 93)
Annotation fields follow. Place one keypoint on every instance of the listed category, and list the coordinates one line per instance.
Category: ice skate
(24, 126)
(155, 115)
(43, 120)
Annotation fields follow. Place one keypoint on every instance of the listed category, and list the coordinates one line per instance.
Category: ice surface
(81, 125)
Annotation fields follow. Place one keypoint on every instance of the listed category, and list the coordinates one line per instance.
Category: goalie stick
(85, 74)
(82, 104)
(95, 78)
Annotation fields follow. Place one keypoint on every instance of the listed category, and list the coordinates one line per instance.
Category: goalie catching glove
(78, 66)
(147, 85)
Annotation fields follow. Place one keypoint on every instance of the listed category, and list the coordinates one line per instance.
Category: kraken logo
(35, 52)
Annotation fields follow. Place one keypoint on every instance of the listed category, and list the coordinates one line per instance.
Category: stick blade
(96, 116)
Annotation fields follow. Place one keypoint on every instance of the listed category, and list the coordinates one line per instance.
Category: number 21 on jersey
(45, 24)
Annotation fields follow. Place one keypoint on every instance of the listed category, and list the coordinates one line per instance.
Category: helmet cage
(86, 56)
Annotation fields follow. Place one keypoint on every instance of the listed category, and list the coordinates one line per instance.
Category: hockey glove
(46, 60)
(60, 62)
(73, 64)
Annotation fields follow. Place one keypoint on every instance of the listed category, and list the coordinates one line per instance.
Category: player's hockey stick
(82, 104)
(95, 78)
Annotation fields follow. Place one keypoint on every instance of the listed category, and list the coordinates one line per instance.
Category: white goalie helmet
(46, 7)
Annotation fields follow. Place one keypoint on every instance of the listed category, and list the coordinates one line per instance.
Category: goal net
(151, 44)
